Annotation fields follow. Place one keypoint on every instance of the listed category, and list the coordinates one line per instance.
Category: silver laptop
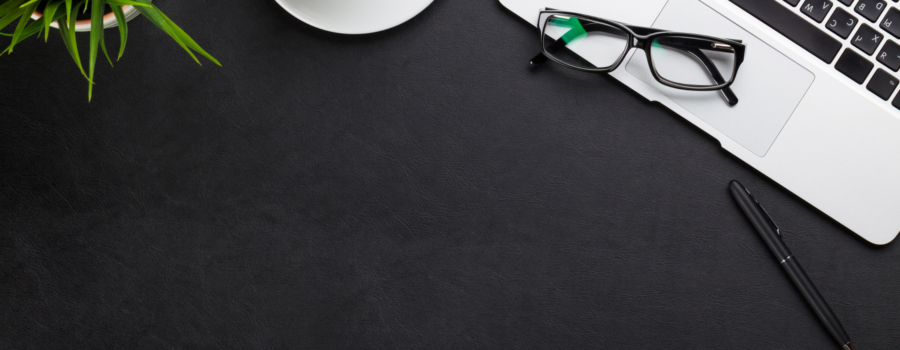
(819, 110)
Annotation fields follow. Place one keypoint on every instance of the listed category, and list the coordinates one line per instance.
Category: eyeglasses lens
(582, 42)
(693, 61)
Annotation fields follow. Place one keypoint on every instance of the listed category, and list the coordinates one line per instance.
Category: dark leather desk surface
(415, 188)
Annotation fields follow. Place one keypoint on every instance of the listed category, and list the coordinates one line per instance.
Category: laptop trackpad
(768, 85)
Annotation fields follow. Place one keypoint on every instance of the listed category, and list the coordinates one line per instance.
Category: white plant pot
(109, 20)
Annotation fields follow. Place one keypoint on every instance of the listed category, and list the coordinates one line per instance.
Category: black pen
(772, 236)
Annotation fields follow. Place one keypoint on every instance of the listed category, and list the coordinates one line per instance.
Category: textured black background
(414, 188)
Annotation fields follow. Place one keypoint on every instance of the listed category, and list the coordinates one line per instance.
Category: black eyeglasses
(680, 60)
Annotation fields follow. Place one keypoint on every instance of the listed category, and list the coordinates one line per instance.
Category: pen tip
(849, 346)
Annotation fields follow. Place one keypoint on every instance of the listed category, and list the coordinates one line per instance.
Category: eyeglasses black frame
(642, 38)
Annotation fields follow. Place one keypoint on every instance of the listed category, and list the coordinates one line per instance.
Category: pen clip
(771, 222)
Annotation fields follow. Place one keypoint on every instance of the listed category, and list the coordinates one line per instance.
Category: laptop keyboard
(877, 29)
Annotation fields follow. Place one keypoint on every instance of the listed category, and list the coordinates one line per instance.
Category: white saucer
(354, 16)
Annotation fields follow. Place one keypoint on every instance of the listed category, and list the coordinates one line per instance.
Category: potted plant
(38, 16)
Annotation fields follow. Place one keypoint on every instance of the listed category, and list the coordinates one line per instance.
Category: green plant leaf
(22, 10)
(97, 7)
(10, 5)
(67, 31)
(190, 42)
(103, 47)
(31, 29)
(49, 13)
(10, 17)
(160, 20)
(153, 15)
(29, 3)
(125, 2)
(23, 21)
(69, 11)
(123, 28)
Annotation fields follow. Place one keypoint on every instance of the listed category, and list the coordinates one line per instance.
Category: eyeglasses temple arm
(729, 95)
(538, 60)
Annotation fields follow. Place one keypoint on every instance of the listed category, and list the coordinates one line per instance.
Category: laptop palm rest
(768, 85)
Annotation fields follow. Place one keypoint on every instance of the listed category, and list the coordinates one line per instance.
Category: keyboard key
(882, 84)
(891, 22)
(842, 23)
(867, 39)
(846, 2)
(890, 55)
(854, 65)
(792, 2)
(870, 9)
(896, 102)
(816, 9)
(794, 27)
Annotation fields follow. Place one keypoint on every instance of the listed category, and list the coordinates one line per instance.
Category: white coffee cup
(354, 16)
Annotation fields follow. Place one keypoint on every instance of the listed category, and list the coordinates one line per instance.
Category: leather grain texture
(414, 188)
